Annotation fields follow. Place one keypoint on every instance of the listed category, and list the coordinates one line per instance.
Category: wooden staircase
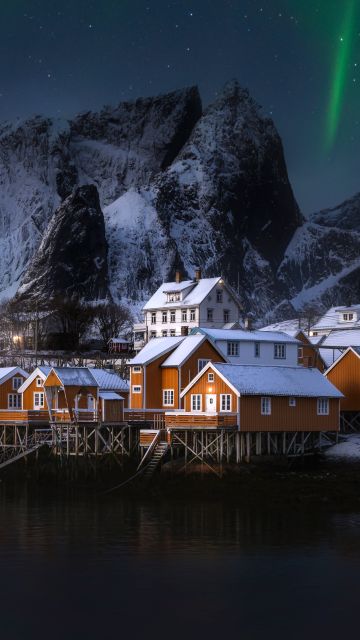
(157, 455)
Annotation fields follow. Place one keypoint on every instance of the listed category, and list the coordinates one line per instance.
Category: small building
(344, 373)
(239, 346)
(177, 307)
(164, 367)
(109, 381)
(120, 346)
(308, 352)
(259, 399)
(11, 379)
(337, 319)
(33, 399)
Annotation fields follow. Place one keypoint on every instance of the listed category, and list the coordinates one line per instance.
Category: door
(91, 403)
(210, 403)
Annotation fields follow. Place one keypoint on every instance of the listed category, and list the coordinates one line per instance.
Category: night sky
(300, 59)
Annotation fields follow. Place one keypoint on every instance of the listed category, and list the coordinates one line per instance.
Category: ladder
(157, 455)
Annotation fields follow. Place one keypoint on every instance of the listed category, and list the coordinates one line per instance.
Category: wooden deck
(200, 420)
(23, 416)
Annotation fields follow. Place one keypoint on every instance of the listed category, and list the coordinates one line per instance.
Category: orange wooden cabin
(164, 367)
(344, 373)
(11, 379)
(308, 353)
(259, 399)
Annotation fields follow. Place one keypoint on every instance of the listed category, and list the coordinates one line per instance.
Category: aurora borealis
(299, 59)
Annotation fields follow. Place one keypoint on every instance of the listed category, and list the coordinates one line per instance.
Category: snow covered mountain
(177, 187)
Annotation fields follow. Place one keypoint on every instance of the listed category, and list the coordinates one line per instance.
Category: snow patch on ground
(348, 449)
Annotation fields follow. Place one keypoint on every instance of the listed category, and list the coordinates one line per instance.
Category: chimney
(198, 274)
(248, 323)
(177, 276)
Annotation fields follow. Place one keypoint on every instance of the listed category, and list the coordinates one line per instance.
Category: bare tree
(112, 320)
(72, 318)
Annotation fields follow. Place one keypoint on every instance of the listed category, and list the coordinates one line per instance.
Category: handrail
(150, 449)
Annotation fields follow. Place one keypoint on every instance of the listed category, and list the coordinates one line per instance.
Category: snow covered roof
(329, 356)
(155, 348)
(240, 335)
(331, 319)
(40, 372)
(291, 327)
(108, 379)
(277, 381)
(74, 376)
(346, 338)
(198, 292)
(110, 395)
(185, 350)
(8, 372)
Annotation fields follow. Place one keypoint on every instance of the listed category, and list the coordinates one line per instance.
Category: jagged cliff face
(177, 187)
(72, 257)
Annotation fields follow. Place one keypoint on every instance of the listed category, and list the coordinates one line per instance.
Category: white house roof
(155, 348)
(277, 381)
(74, 376)
(185, 350)
(109, 380)
(331, 319)
(198, 292)
(346, 338)
(8, 372)
(40, 372)
(291, 327)
(110, 395)
(240, 335)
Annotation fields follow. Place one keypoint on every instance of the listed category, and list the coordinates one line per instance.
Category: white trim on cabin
(340, 358)
(210, 365)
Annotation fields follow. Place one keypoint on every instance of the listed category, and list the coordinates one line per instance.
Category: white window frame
(153, 317)
(184, 315)
(233, 349)
(16, 382)
(210, 315)
(192, 315)
(225, 402)
(172, 316)
(257, 349)
(211, 377)
(219, 296)
(265, 406)
(172, 333)
(279, 351)
(164, 333)
(292, 402)
(202, 362)
(168, 397)
(323, 406)
(41, 397)
(136, 388)
(300, 353)
(136, 369)
(192, 399)
(39, 382)
(152, 334)
(11, 403)
(164, 317)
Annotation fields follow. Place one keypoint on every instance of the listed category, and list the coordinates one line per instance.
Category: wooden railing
(152, 443)
(23, 416)
(213, 420)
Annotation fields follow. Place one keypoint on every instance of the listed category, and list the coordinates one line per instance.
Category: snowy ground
(347, 449)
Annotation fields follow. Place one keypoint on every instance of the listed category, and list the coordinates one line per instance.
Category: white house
(337, 319)
(255, 347)
(177, 307)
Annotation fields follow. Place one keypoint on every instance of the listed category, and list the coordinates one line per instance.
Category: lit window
(168, 397)
(136, 388)
(265, 406)
(14, 401)
(225, 401)
(209, 315)
(192, 315)
(280, 351)
(16, 383)
(323, 407)
(153, 317)
(233, 348)
(211, 377)
(257, 349)
(292, 402)
(202, 363)
(38, 400)
(196, 402)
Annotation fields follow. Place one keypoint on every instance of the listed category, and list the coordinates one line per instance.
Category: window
(14, 401)
(38, 382)
(225, 401)
(265, 406)
(280, 351)
(184, 315)
(292, 402)
(164, 333)
(196, 402)
(136, 388)
(172, 316)
(168, 397)
(172, 332)
(209, 315)
(152, 334)
(173, 297)
(153, 317)
(137, 369)
(164, 317)
(38, 400)
(226, 315)
(16, 383)
(192, 315)
(219, 296)
(233, 348)
(300, 353)
(323, 407)
(257, 349)
(202, 363)
(211, 377)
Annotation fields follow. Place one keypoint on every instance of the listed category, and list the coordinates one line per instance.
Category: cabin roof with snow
(75, 376)
(260, 380)
(241, 335)
(198, 290)
(108, 379)
(291, 327)
(186, 348)
(8, 372)
(40, 372)
(155, 348)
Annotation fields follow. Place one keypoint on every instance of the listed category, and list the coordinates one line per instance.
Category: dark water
(126, 568)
